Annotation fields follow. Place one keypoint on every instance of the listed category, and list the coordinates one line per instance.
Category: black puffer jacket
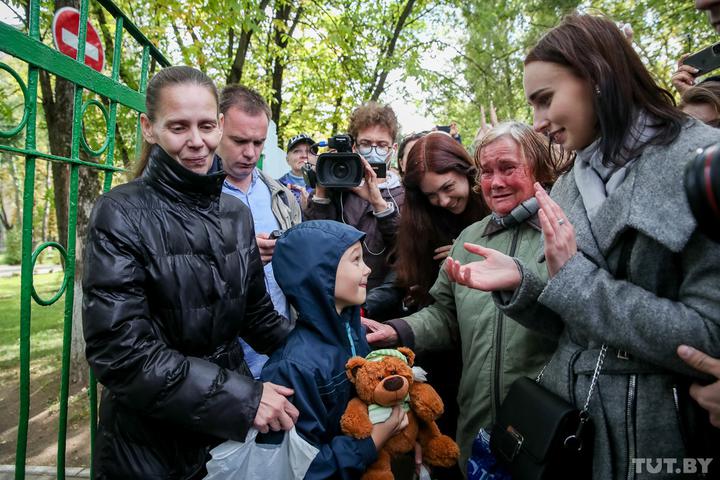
(172, 277)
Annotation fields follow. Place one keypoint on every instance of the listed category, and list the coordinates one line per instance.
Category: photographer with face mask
(372, 207)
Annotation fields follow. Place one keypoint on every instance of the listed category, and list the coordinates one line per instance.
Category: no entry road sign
(65, 29)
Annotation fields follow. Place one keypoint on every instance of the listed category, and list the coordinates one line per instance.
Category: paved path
(7, 472)
(10, 270)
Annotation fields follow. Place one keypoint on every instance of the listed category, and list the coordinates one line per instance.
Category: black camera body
(702, 187)
(340, 169)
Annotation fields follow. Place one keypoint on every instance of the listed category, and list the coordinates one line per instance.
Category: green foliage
(13, 247)
(500, 32)
(334, 59)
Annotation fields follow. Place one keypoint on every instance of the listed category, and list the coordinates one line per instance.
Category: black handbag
(539, 435)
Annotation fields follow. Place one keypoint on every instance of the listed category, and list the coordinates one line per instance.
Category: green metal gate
(37, 55)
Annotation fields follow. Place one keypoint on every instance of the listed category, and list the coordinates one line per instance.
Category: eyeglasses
(366, 148)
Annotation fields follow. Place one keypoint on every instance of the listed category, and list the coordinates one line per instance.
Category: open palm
(496, 272)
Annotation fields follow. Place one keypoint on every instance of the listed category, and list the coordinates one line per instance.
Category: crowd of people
(219, 300)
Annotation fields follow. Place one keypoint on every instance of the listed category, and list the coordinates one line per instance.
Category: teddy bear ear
(352, 366)
(409, 354)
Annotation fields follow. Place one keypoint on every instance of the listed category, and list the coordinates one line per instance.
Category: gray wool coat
(671, 295)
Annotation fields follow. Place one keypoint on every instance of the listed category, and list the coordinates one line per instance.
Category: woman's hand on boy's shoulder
(275, 412)
(379, 334)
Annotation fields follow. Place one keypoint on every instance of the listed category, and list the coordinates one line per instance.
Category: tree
(500, 32)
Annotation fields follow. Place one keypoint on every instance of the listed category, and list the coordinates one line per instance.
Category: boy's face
(351, 278)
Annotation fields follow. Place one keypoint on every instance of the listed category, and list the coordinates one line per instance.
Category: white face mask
(374, 157)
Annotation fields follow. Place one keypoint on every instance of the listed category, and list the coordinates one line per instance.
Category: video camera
(339, 169)
(702, 187)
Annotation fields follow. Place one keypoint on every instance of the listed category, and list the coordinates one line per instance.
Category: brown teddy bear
(383, 379)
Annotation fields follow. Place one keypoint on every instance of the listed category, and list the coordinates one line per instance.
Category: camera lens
(702, 187)
(340, 170)
(716, 49)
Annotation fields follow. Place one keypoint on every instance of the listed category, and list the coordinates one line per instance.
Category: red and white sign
(65, 28)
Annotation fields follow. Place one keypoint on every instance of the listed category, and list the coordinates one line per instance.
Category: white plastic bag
(248, 460)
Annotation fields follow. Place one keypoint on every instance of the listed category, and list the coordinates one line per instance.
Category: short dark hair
(595, 50)
(370, 115)
(243, 98)
(705, 93)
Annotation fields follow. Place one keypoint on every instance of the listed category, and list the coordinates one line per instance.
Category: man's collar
(255, 175)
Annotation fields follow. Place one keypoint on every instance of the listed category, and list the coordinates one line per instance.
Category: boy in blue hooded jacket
(319, 266)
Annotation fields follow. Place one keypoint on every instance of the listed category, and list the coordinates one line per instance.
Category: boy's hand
(266, 246)
(275, 412)
(382, 432)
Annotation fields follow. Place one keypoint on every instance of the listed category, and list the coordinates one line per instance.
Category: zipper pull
(349, 335)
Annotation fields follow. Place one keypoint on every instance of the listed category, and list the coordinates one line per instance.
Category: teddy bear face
(385, 382)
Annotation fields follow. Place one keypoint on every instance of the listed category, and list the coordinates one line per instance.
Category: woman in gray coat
(627, 267)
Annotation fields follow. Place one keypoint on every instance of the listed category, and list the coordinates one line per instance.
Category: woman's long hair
(425, 227)
(595, 50)
(169, 77)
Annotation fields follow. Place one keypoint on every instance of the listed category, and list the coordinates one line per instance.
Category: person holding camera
(299, 153)
(373, 206)
(273, 206)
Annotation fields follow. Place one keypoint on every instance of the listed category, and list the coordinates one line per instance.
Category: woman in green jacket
(510, 158)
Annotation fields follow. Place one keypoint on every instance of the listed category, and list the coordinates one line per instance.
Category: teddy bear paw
(441, 451)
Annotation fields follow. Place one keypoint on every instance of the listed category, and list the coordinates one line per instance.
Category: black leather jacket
(172, 276)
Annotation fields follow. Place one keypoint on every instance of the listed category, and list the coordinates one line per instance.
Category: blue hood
(305, 264)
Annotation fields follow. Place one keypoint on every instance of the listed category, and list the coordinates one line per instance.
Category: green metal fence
(38, 56)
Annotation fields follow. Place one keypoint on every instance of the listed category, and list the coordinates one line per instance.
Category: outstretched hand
(379, 334)
(496, 271)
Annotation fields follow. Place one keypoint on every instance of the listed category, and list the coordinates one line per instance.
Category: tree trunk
(236, 70)
(281, 35)
(379, 85)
